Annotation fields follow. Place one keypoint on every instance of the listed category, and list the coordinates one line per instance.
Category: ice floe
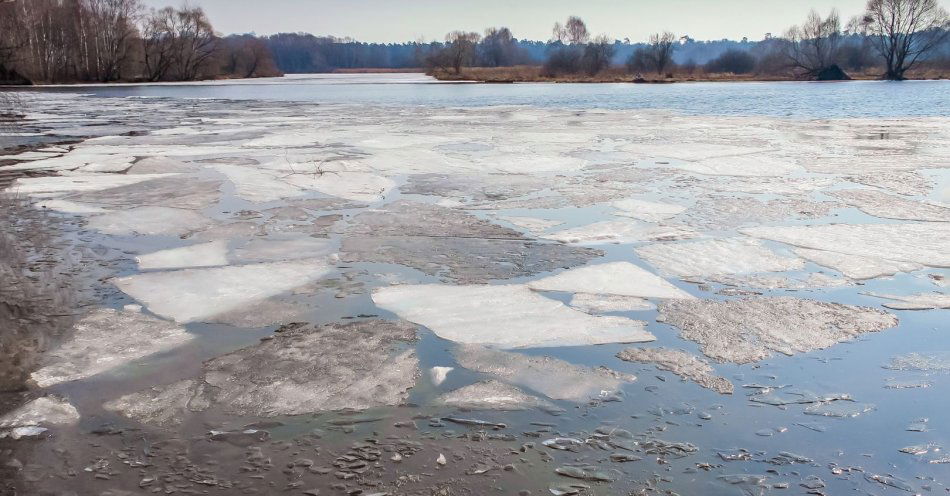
(681, 363)
(647, 210)
(617, 231)
(604, 303)
(209, 254)
(492, 395)
(504, 316)
(32, 418)
(303, 369)
(887, 241)
(856, 266)
(104, 340)
(614, 278)
(149, 221)
(919, 301)
(750, 329)
(276, 250)
(551, 377)
(717, 256)
(887, 206)
(67, 184)
(192, 295)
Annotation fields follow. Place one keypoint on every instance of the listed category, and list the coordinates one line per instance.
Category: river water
(704, 163)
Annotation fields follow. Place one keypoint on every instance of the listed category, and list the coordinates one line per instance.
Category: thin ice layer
(615, 278)
(107, 339)
(193, 295)
(152, 221)
(618, 231)
(750, 329)
(681, 363)
(717, 256)
(504, 316)
(554, 378)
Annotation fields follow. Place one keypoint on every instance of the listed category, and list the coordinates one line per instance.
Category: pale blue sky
(406, 20)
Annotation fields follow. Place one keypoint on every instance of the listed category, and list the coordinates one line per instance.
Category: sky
(409, 20)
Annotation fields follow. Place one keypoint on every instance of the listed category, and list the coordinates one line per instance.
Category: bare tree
(498, 48)
(660, 50)
(812, 47)
(460, 48)
(194, 43)
(558, 33)
(158, 34)
(904, 31)
(111, 26)
(577, 33)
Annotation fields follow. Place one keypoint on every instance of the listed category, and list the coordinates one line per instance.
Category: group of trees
(113, 40)
(892, 36)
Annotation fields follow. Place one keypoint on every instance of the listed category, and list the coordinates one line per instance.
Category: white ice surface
(209, 254)
(275, 250)
(924, 243)
(618, 231)
(855, 266)
(505, 316)
(717, 256)
(149, 221)
(257, 185)
(533, 225)
(647, 210)
(70, 207)
(69, 184)
(192, 295)
(614, 278)
(603, 303)
(358, 186)
(47, 410)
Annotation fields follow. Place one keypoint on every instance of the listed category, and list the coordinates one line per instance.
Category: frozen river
(385, 284)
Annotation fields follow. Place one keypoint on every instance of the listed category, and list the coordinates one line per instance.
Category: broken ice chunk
(504, 316)
(615, 278)
(202, 255)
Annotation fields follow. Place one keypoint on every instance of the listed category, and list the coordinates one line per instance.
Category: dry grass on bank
(534, 74)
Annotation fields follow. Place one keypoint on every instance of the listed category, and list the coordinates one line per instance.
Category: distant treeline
(120, 40)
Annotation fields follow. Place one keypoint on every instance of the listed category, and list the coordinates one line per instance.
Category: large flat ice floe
(193, 295)
(104, 340)
(856, 266)
(492, 395)
(154, 221)
(69, 184)
(303, 369)
(920, 301)
(551, 377)
(614, 278)
(504, 316)
(717, 256)
(750, 329)
(647, 211)
(922, 243)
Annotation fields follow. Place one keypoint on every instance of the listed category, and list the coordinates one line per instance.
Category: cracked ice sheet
(210, 254)
(356, 186)
(614, 278)
(616, 231)
(717, 256)
(256, 185)
(744, 165)
(924, 243)
(504, 316)
(107, 339)
(854, 266)
(194, 295)
(149, 221)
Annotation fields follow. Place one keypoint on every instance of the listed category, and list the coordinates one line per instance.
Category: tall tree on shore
(106, 29)
(460, 49)
(576, 29)
(905, 31)
(660, 50)
(812, 47)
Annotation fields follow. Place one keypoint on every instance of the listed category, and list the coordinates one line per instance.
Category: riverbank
(534, 74)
